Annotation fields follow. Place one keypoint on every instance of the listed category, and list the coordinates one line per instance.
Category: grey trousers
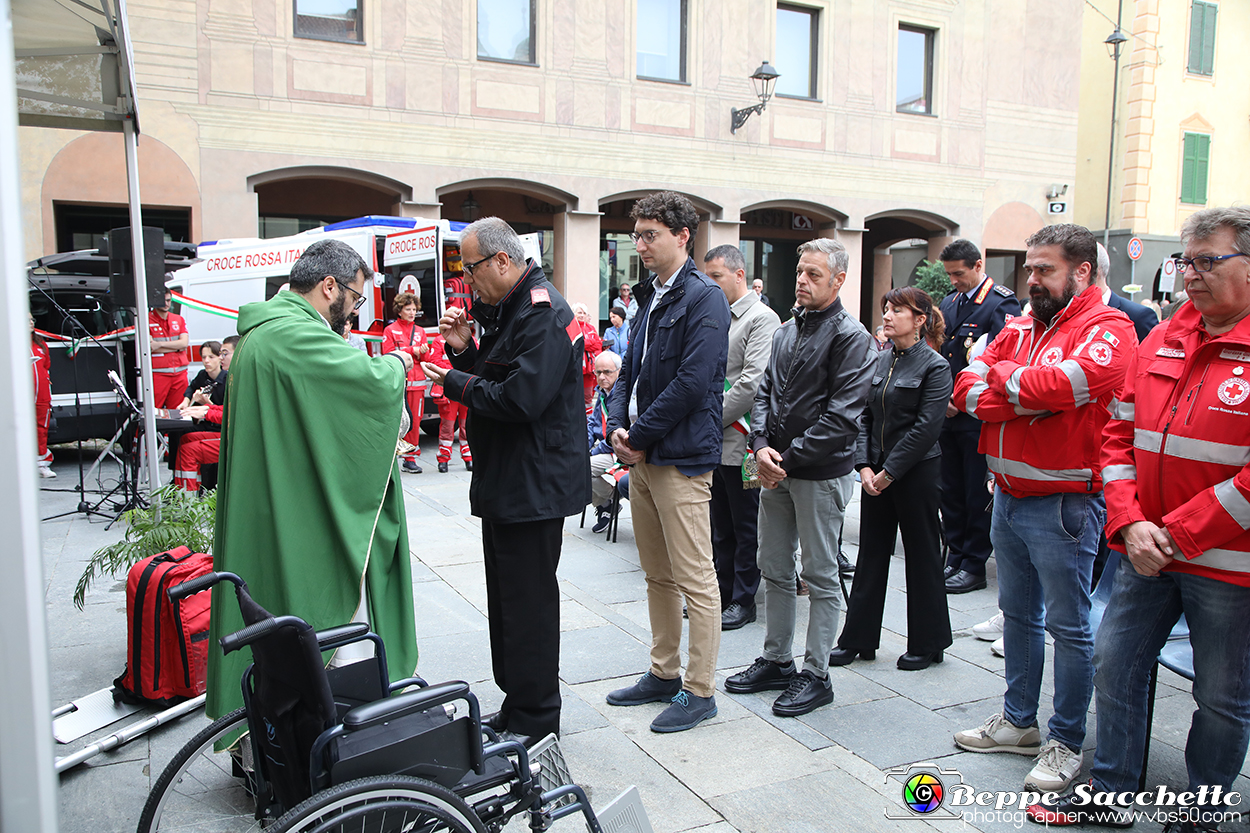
(804, 514)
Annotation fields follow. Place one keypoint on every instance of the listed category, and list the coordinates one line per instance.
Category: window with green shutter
(1202, 37)
(1194, 168)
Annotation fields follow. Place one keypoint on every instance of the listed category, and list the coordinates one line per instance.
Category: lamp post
(1115, 40)
(763, 80)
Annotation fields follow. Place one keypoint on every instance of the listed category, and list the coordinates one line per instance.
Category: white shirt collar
(971, 292)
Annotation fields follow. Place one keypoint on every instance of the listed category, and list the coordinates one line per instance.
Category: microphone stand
(84, 506)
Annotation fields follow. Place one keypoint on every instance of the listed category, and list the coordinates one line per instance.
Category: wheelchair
(343, 749)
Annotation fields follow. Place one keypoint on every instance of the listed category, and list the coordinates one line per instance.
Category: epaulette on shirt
(1002, 290)
(539, 297)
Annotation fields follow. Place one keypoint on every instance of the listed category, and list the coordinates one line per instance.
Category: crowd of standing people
(1105, 437)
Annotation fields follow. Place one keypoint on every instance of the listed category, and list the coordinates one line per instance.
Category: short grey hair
(1207, 222)
(1104, 264)
(616, 360)
(732, 256)
(493, 235)
(579, 307)
(839, 260)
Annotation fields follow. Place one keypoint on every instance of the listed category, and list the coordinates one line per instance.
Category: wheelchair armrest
(341, 635)
(393, 708)
(408, 682)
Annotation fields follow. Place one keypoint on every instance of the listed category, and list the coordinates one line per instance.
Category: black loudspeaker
(122, 266)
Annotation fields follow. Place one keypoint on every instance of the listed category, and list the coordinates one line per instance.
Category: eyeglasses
(469, 267)
(647, 237)
(1202, 263)
(360, 299)
(608, 372)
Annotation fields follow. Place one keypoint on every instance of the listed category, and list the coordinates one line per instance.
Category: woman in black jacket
(899, 463)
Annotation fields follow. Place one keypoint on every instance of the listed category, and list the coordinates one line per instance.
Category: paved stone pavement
(745, 770)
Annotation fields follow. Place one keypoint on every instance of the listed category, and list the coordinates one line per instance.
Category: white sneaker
(990, 629)
(998, 648)
(998, 735)
(1056, 767)
(46, 472)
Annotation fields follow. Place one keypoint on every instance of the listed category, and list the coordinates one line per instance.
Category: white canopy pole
(142, 340)
(27, 779)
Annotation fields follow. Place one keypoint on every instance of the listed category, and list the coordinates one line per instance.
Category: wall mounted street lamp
(763, 80)
(1114, 42)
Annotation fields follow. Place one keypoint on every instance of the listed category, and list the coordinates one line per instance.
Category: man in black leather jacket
(523, 388)
(803, 430)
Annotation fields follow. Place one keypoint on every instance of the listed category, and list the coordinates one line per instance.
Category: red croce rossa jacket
(1177, 450)
(1044, 394)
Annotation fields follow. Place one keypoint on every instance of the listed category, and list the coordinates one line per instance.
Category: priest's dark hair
(327, 258)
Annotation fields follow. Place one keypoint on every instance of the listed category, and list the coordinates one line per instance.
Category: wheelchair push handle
(195, 585)
(238, 639)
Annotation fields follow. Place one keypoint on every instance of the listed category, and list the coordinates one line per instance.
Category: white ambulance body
(405, 253)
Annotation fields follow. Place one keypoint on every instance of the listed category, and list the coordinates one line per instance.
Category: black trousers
(735, 524)
(523, 606)
(909, 503)
(965, 518)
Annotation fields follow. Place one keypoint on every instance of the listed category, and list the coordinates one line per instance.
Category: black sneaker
(648, 689)
(442, 467)
(845, 568)
(603, 521)
(1069, 812)
(806, 693)
(763, 675)
(411, 467)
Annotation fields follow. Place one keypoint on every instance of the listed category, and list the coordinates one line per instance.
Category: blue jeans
(1045, 548)
(1139, 616)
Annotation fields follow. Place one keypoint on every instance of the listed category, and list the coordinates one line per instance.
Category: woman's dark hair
(214, 346)
(403, 299)
(619, 312)
(919, 302)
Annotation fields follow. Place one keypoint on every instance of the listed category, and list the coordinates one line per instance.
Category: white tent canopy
(67, 64)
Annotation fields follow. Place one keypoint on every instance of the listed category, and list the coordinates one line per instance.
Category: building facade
(892, 121)
(1181, 133)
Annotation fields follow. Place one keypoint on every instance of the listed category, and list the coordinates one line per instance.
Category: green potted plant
(931, 277)
(174, 518)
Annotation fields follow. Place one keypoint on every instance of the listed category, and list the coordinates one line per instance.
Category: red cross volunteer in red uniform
(1042, 391)
(406, 335)
(170, 339)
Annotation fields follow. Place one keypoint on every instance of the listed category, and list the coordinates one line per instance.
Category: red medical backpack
(167, 642)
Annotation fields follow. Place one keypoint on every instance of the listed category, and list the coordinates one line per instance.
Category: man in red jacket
(1176, 467)
(1042, 391)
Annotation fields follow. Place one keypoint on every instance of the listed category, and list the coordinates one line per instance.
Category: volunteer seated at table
(209, 385)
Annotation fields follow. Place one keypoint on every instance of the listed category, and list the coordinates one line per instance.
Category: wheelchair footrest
(625, 814)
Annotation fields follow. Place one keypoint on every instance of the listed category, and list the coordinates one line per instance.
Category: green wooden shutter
(1195, 168)
(1208, 41)
(1202, 37)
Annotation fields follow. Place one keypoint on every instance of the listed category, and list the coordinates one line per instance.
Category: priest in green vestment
(309, 507)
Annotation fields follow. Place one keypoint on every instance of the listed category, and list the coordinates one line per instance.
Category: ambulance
(406, 254)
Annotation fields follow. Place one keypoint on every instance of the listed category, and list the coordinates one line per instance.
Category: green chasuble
(309, 506)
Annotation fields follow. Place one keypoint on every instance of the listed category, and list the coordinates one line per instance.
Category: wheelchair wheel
(201, 789)
(381, 804)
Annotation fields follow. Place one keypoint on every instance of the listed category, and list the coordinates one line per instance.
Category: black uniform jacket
(988, 310)
(527, 418)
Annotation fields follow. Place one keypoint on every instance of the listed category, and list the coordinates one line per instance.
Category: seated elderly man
(607, 368)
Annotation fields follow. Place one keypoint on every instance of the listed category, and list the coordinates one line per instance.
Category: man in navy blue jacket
(665, 422)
